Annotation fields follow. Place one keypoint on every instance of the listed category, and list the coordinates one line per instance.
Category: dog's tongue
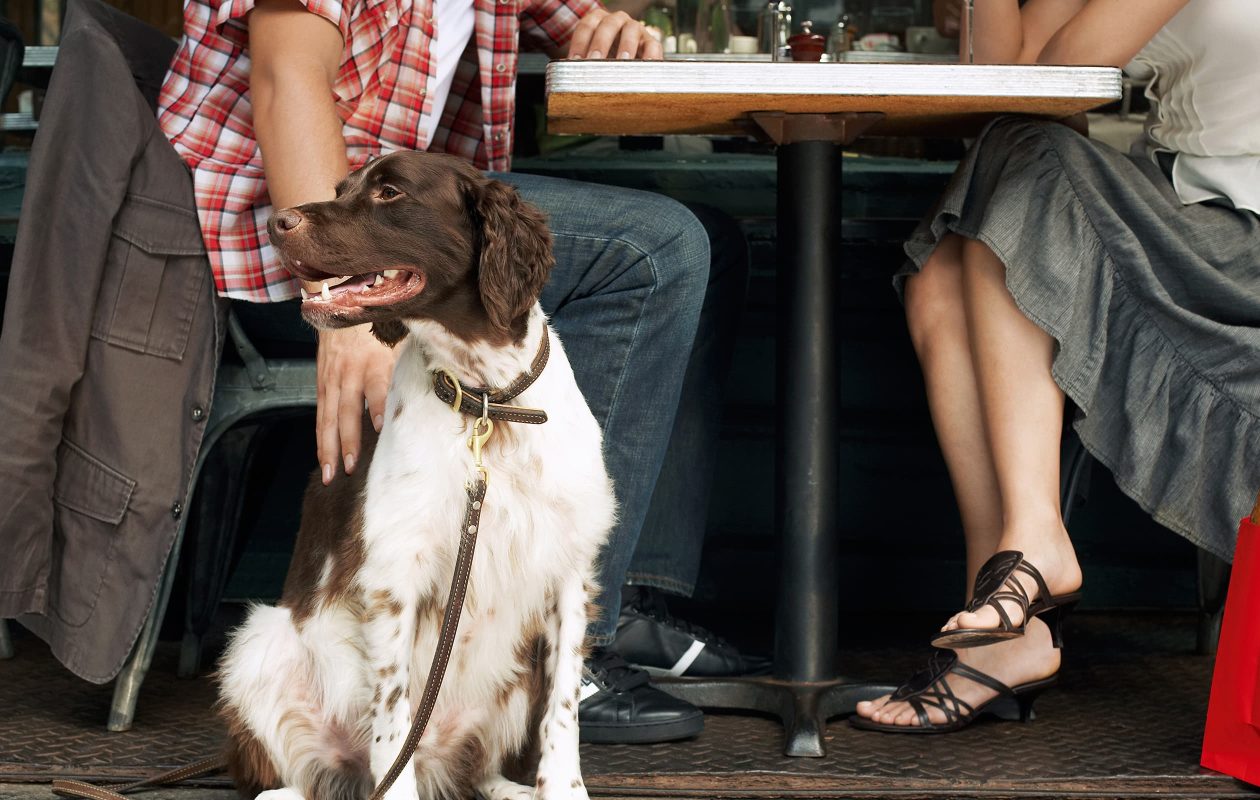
(355, 283)
(337, 286)
(379, 284)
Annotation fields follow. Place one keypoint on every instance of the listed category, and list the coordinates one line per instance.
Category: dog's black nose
(284, 221)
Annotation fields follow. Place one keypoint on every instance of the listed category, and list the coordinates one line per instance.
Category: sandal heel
(1053, 617)
(1010, 709)
(1026, 713)
(1019, 707)
(1026, 695)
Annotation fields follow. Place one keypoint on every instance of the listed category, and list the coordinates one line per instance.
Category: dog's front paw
(548, 788)
(500, 788)
(279, 794)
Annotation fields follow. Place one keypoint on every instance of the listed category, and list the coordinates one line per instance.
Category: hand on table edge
(601, 34)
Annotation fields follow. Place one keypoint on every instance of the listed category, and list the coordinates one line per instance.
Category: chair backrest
(11, 50)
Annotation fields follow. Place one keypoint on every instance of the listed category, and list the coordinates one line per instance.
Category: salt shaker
(774, 25)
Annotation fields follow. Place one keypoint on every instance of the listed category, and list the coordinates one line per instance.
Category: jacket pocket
(155, 273)
(90, 499)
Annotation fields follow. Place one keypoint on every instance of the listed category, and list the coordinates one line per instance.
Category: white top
(1204, 70)
(452, 28)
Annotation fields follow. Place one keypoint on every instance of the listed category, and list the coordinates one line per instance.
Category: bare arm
(1108, 31)
(1007, 34)
(294, 57)
(1086, 32)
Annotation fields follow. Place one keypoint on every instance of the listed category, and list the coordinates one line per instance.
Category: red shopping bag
(1231, 741)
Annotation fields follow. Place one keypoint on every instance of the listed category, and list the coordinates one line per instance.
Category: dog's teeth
(379, 280)
(323, 291)
(305, 295)
(297, 263)
(391, 273)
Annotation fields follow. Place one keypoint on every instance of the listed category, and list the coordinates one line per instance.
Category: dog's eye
(389, 192)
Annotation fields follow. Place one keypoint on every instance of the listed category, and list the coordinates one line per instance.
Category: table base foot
(803, 708)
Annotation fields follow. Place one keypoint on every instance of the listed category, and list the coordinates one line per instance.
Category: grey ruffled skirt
(1155, 307)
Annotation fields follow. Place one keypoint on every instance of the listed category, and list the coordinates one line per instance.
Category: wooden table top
(715, 97)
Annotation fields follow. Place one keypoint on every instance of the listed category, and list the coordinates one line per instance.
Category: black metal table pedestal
(803, 707)
(807, 688)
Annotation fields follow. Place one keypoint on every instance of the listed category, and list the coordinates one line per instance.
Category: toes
(984, 618)
(907, 716)
(869, 708)
(967, 621)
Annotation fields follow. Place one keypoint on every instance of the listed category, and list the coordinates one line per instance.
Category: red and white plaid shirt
(380, 93)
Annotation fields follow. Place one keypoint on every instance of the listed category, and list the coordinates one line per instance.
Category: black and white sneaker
(619, 707)
(648, 636)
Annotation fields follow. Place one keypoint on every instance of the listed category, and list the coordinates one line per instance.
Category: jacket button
(500, 67)
(177, 510)
(198, 413)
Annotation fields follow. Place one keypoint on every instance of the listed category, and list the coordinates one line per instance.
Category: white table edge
(832, 79)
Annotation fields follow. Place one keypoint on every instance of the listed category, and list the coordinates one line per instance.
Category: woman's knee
(933, 296)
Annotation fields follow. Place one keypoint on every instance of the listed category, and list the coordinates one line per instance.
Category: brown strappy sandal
(997, 583)
(929, 689)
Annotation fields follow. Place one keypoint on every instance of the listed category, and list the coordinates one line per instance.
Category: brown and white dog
(319, 691)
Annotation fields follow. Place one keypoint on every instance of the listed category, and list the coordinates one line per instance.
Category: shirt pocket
(155, 272)
(90, 500)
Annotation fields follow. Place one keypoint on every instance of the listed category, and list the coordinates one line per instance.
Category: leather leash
(68, 788)
(450, 621)
(491, 403)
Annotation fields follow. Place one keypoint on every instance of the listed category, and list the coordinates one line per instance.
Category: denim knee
(677, 245)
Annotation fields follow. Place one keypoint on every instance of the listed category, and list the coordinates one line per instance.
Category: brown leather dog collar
(476, 400)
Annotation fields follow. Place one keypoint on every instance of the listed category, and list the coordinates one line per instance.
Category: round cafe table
(810, 111)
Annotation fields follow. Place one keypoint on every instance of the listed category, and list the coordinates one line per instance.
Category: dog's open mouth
(383, 288)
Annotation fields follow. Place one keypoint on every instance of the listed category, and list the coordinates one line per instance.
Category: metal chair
(6, 644)
(246, 395)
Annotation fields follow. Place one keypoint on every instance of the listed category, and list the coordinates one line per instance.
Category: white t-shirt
(1204, 70)
(452, 28)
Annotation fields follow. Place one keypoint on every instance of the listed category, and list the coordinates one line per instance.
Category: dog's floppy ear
(515, 252)
(389, 332)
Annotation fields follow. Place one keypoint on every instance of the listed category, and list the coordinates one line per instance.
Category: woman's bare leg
(938, 329)
(1023, 419)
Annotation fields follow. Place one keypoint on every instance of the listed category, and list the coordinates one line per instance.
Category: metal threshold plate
(657, 97)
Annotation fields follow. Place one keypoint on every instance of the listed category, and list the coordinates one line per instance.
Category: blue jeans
(631, 279)
(668, 553)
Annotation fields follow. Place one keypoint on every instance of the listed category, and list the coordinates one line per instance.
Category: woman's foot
(1029, 658)
(1053, 556)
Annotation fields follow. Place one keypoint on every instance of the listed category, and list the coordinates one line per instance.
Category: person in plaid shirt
(271, 102)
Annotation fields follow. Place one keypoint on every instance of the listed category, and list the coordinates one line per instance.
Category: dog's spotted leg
(387, 631)
(559, 772)
(500, 788)
(279, 794)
